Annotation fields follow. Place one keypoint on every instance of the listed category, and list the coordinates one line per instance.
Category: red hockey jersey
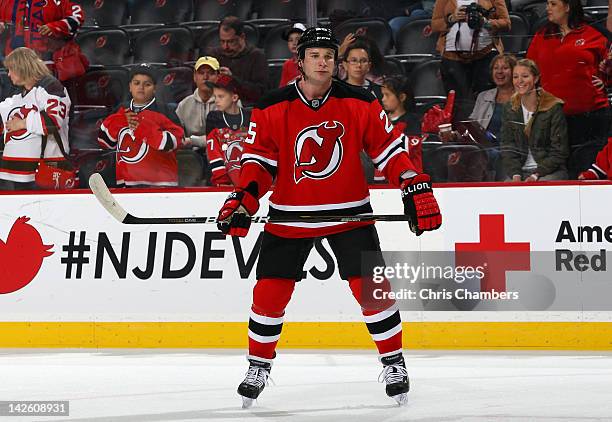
(313, 147)
(63, 17)
(602, 167)
(224, 146)
(414, 144)
(147, 155)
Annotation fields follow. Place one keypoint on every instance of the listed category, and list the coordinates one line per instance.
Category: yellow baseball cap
(207, 60)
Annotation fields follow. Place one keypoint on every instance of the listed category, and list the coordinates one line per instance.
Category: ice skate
(394, 374)
(254, 382)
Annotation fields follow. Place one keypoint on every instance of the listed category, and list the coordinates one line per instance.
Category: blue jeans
(397, 22)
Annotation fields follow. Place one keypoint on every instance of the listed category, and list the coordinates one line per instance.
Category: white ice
(198, 385)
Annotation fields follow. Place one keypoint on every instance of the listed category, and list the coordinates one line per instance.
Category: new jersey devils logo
(21, 256)
(129, 149)
(20, 112)
(318, 151)
(233, 153)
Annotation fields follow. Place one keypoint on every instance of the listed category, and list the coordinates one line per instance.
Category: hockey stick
(108, 201)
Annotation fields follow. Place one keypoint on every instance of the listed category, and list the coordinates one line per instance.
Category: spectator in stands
(377, 60)
(290, 68)
(400, 12)
(227, 127)
(145, 134)
(568, 52)
(193, 110)
(42, 106)
(45, 27)
(534, 140)
(488, 109)
(467, 47)
(398, 101)
(399, 104)
(357, 64)
(245, 63)
(602, 167)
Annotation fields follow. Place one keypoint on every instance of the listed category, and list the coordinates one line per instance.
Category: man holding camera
(468, 42)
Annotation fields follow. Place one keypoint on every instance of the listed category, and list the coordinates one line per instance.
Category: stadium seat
(84, 148)
(275, 69)
(100, 86)
(274, 45)
(327, 7)
(105, 46)
(198, 28)
(164, 45)
(210, 38)
(517, 39)
(374, 28)
(161, 11)
(280, 9)
(190, 167)
(415, 42)
(427, 82)
(7, 89)
(393, 66)
(174, 84)
(595, 3)
(218, 9)
(105, 12)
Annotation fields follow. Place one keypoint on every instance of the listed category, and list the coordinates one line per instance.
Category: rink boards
(112, 285)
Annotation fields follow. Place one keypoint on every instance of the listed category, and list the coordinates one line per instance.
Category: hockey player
(226, 130)
(309, 136)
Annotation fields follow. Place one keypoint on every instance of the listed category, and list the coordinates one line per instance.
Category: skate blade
(401, 399)
(247, 402)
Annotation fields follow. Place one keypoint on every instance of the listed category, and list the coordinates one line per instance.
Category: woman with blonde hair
(30, 116)
(534, 141)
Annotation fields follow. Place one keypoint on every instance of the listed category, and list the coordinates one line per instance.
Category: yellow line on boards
(309, 335)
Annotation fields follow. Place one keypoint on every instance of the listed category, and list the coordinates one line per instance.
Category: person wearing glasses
(246, 64)
(357, 64)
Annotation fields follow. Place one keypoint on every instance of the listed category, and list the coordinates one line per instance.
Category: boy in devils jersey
(309, 136)
(145, 133)
(226, 129)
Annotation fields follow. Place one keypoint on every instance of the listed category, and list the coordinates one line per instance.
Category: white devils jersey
(314, 149)
(22, 147)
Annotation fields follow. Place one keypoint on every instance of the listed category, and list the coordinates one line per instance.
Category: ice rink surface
(200, 385)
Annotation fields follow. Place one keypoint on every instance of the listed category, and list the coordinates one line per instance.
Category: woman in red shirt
(568, 52)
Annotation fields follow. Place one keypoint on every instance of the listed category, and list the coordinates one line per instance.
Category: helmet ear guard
(317, 37)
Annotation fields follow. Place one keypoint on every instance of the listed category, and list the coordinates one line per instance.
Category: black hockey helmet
(317, 37)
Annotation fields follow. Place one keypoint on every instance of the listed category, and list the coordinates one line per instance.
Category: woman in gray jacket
(488, 108)
(534, 139)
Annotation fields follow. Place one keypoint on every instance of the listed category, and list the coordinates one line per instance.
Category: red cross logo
(493, 253)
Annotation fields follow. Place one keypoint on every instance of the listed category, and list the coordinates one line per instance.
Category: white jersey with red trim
(22, 147)
(313, 147)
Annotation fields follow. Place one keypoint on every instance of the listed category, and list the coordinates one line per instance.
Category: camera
(475, 15)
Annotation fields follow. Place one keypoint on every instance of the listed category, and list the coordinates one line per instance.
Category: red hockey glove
(588, 175)
(436, 115)
(235, 215)
(420, 205)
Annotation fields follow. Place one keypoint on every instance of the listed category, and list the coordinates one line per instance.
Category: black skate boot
(394, 374)
(254, 382)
